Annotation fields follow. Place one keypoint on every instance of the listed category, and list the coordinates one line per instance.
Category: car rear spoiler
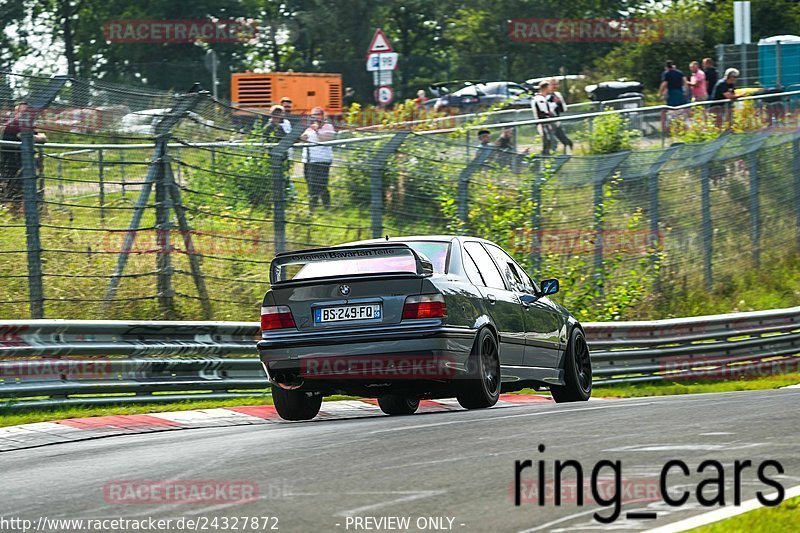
(333, 253)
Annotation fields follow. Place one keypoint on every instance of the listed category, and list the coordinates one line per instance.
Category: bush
(609, 134)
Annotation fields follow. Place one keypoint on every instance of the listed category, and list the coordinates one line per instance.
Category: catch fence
(146, 204)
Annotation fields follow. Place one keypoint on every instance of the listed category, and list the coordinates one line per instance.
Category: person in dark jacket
(712, 76)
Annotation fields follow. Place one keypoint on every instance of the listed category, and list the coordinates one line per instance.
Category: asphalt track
(457, 465)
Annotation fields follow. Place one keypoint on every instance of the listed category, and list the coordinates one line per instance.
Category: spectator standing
(712, 76)
(421, 98)
(485, 138)
(275, 131)
(697, 82)
(724, 90)
(318, 159)
(11, 157)
(541, 110)
(673, 84)
(557, 106)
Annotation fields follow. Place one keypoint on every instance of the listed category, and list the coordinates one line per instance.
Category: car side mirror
(426, 266)
(549, 286)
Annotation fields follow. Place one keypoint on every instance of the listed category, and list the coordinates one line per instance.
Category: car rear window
(361, 265)
(435, 251)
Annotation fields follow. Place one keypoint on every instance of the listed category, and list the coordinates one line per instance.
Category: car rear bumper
(431, 353)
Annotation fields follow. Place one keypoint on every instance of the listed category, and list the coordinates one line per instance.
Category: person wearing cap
(318, 158)
(275, 131)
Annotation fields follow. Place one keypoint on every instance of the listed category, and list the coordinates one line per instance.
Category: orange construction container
(307, 90)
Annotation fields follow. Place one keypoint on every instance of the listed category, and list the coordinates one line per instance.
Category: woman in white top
(317, 159)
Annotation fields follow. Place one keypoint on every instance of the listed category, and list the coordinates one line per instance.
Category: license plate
(344, 313)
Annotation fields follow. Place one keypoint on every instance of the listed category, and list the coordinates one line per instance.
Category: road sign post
(381, 61)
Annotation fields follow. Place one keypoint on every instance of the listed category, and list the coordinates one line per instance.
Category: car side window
(472, 271)
(486, 266)
(507, 266)
(527, 283)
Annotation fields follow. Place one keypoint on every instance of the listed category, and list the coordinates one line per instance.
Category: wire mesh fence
(163, 205)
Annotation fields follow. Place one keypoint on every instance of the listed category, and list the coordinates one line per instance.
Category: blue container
(790, 64)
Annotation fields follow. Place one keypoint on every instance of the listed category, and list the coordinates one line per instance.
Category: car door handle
(492, 299)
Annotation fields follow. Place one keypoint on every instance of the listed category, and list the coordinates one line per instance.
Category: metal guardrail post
(32, 224)
(755, 212)
(462, 194)
(707, 230)
(277, 158)
(376, 181)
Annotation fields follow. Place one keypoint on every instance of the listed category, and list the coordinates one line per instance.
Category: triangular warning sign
(379, 43)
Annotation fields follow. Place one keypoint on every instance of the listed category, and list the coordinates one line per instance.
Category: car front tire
(577, 371)
(295, 405)
(482, 388)
(396, 404)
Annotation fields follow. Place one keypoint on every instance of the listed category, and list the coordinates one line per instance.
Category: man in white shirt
(557, 106)
(541, 110)
(318, 158)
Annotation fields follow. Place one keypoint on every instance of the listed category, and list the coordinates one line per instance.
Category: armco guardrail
(47, 362)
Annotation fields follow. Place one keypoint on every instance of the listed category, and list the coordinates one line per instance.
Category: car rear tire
(396, 404)
(482, 388)
(577, 371)
(295, 405)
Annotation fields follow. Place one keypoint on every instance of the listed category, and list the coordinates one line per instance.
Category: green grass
(784, 517)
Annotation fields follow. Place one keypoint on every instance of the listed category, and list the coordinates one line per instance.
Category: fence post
(183, 226)
(462, 195)
(32, 224)
(796, 167)
(548, 166)
(655, 215)
(707, 230)
(376, 181)
(163, 246)
(599, 213)
(102, 192)
(755, 212)
(277, 158)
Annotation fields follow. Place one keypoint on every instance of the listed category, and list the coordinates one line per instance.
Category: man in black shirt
(673, 84)
(724, 88)
(711, 76)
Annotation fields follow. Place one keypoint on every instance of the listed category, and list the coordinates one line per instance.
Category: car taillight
(425, 306)
(276, 317)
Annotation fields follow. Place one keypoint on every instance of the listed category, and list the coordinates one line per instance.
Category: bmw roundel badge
(344, 289)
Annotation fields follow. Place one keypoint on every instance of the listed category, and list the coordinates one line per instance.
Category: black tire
(482, 388)
(396, 404)
(295, 405)
(577, 371)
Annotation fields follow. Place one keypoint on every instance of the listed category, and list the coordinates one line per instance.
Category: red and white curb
(76, 429)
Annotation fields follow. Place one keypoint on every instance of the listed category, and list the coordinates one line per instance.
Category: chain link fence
(148, 204)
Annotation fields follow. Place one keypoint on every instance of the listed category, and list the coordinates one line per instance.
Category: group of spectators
(548, 103)
(701, 85)
(317, 158)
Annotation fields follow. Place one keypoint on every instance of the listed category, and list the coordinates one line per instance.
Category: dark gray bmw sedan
(413, 318)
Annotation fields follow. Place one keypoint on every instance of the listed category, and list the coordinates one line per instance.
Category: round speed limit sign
(384, 94)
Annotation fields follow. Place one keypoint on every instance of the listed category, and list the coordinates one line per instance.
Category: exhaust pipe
(288, 381)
